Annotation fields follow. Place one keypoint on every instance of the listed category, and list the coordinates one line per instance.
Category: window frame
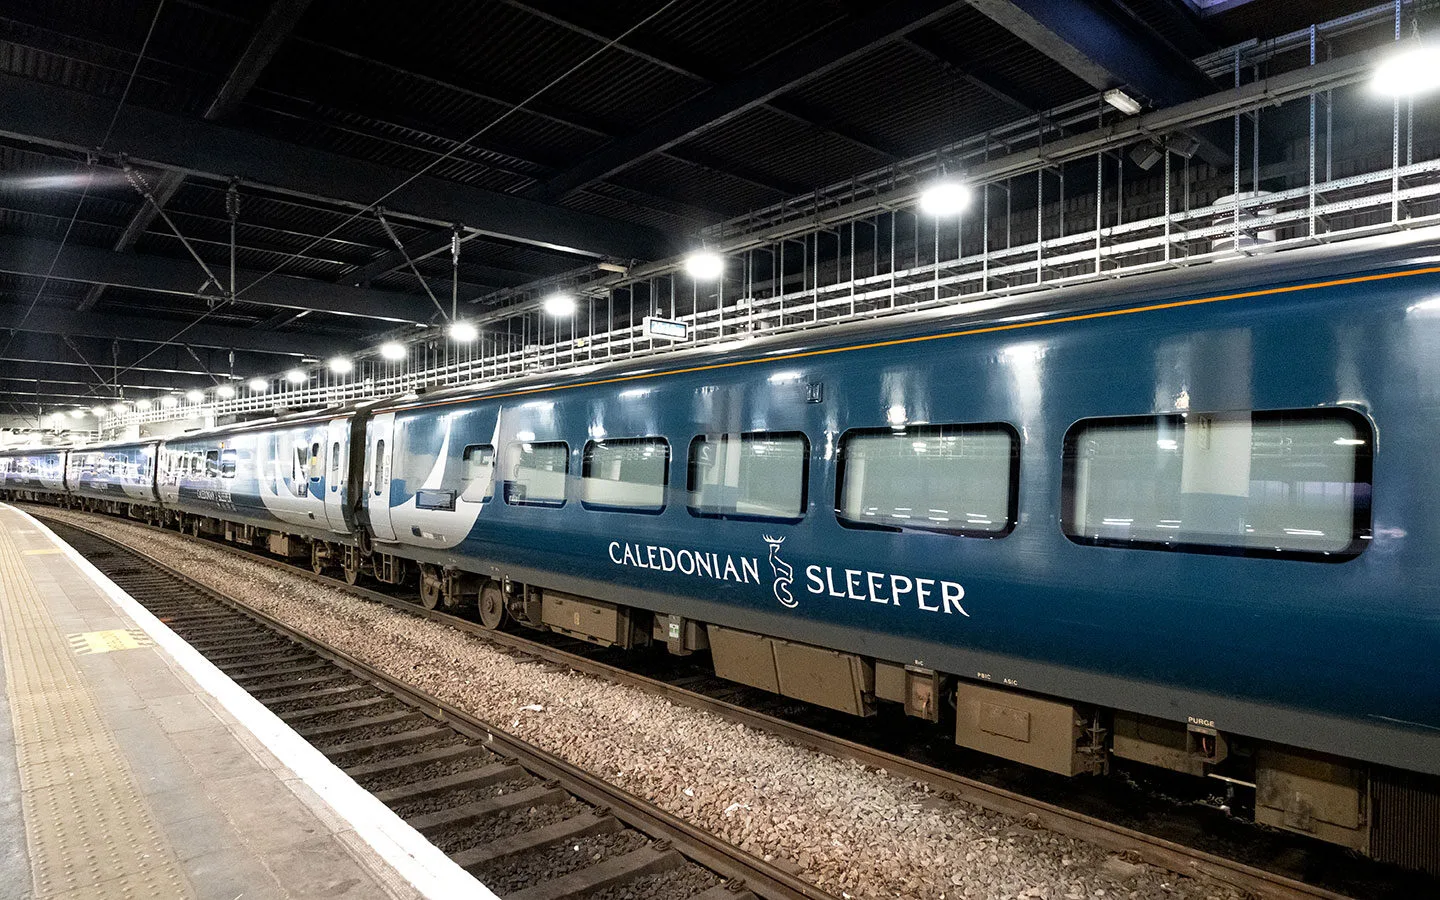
(1361, 511)
(586, 456)
(1012, 502)
(508, 484)
(720, 437)
(465, 477)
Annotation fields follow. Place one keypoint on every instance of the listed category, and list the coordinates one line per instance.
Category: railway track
(1170, 855)
(524, 822)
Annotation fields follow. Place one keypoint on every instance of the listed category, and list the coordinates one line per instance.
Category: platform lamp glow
(462, 332)
(258, 385)
(340, 365)
(118, 408)
(394, 351)
(559, 304)
(946, 197)
(704, 265)
(170, 401)
(143, 405)
(195, 396)
(98, 412)
(1408, 73)
(225, 392)
(296, 376)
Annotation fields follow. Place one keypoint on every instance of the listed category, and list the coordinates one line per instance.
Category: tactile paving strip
(89, 830)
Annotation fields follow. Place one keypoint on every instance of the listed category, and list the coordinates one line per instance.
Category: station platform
(132, 770)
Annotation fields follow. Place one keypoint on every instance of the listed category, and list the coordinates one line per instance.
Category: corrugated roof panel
(785, 149)
(978, 44)
(699, 187)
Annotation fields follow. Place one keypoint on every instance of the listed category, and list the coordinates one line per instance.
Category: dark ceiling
(557, 135)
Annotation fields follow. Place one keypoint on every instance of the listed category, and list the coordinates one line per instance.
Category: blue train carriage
(117, 478)
(283, 484)
(1153, 524)
(34, 473)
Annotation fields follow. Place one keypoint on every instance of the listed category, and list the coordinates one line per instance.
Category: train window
(227, 464)
(759, 475)
(335, 460)
(1288, 483)
(379, 464)
(317, 462)
(626, 474)
(479, 472)
(212, 463)
(960, 479)
(536, 473)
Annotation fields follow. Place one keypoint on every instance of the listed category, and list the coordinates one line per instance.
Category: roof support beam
(279, 22)
(828, 51)
(164, 275)
(989, 82)
(106, 355)
(427, 246)
(32, 111)
(48, 320)
(1101, 48)
(164, 188)
(76, 375)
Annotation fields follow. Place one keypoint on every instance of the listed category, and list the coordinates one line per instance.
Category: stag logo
(784, 574)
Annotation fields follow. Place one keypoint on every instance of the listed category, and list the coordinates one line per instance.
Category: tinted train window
(960, 479)
(478, 472)
(227, 464)
(536, 473)
(379, 464)
(760, 475)
(1265, 483)
(626, 474)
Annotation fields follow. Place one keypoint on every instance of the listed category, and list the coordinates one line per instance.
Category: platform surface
(126, 778)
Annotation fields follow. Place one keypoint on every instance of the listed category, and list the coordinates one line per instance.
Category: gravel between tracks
(854, 831)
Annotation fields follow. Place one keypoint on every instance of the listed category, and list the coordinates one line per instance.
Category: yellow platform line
(89, 831)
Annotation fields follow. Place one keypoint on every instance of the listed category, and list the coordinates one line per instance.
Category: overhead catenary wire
(376, 203)
(89, 177)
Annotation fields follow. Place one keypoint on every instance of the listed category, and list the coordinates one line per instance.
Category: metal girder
(76, 374)
(48, 320)
(162, 190)
(784, 72)
(32, 111)
(989, 82)
(107, 354)
(96, 265)
(1101, 48)
(279, 22)
(426, 246)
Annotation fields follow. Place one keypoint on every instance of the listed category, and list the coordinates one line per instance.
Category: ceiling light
(77, 413)
(225, 392)
(393, 351)
(143, 405)
(98, 411)
(1122, 101)
(118, 408)
(258, 385)
(341, 365)
(1408, 73)
(169, 401)
(463, 332)
(946, 197)
(195, 396)
(559, 305)
(296, 376)
(704, 265)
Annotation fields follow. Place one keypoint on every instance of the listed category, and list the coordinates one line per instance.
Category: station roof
(350, 137)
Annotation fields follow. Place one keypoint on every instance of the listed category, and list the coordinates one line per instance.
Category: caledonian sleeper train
(1191, 520)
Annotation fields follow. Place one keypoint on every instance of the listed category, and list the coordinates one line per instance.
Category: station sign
(666, 329)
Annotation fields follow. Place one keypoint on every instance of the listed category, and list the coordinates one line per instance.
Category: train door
(337, 473)
(377, 475)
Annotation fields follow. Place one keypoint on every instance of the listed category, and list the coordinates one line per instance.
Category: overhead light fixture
(117, 408)
(169, 401)
(1122, 101)
(393, 351)
(195, 396)
(703, 265)
(340, 365)
(616, 268)
(559, 304)
(143, 405)
(225, 392)
(946, 197)
(296, 376)
(1408, 73)
(98, 411)
(258, 385)
(462, 331)
(77, 413)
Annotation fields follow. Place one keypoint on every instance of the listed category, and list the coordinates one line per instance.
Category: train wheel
(432, 587)
(319, 562)
(492, 607)
(352, 573)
